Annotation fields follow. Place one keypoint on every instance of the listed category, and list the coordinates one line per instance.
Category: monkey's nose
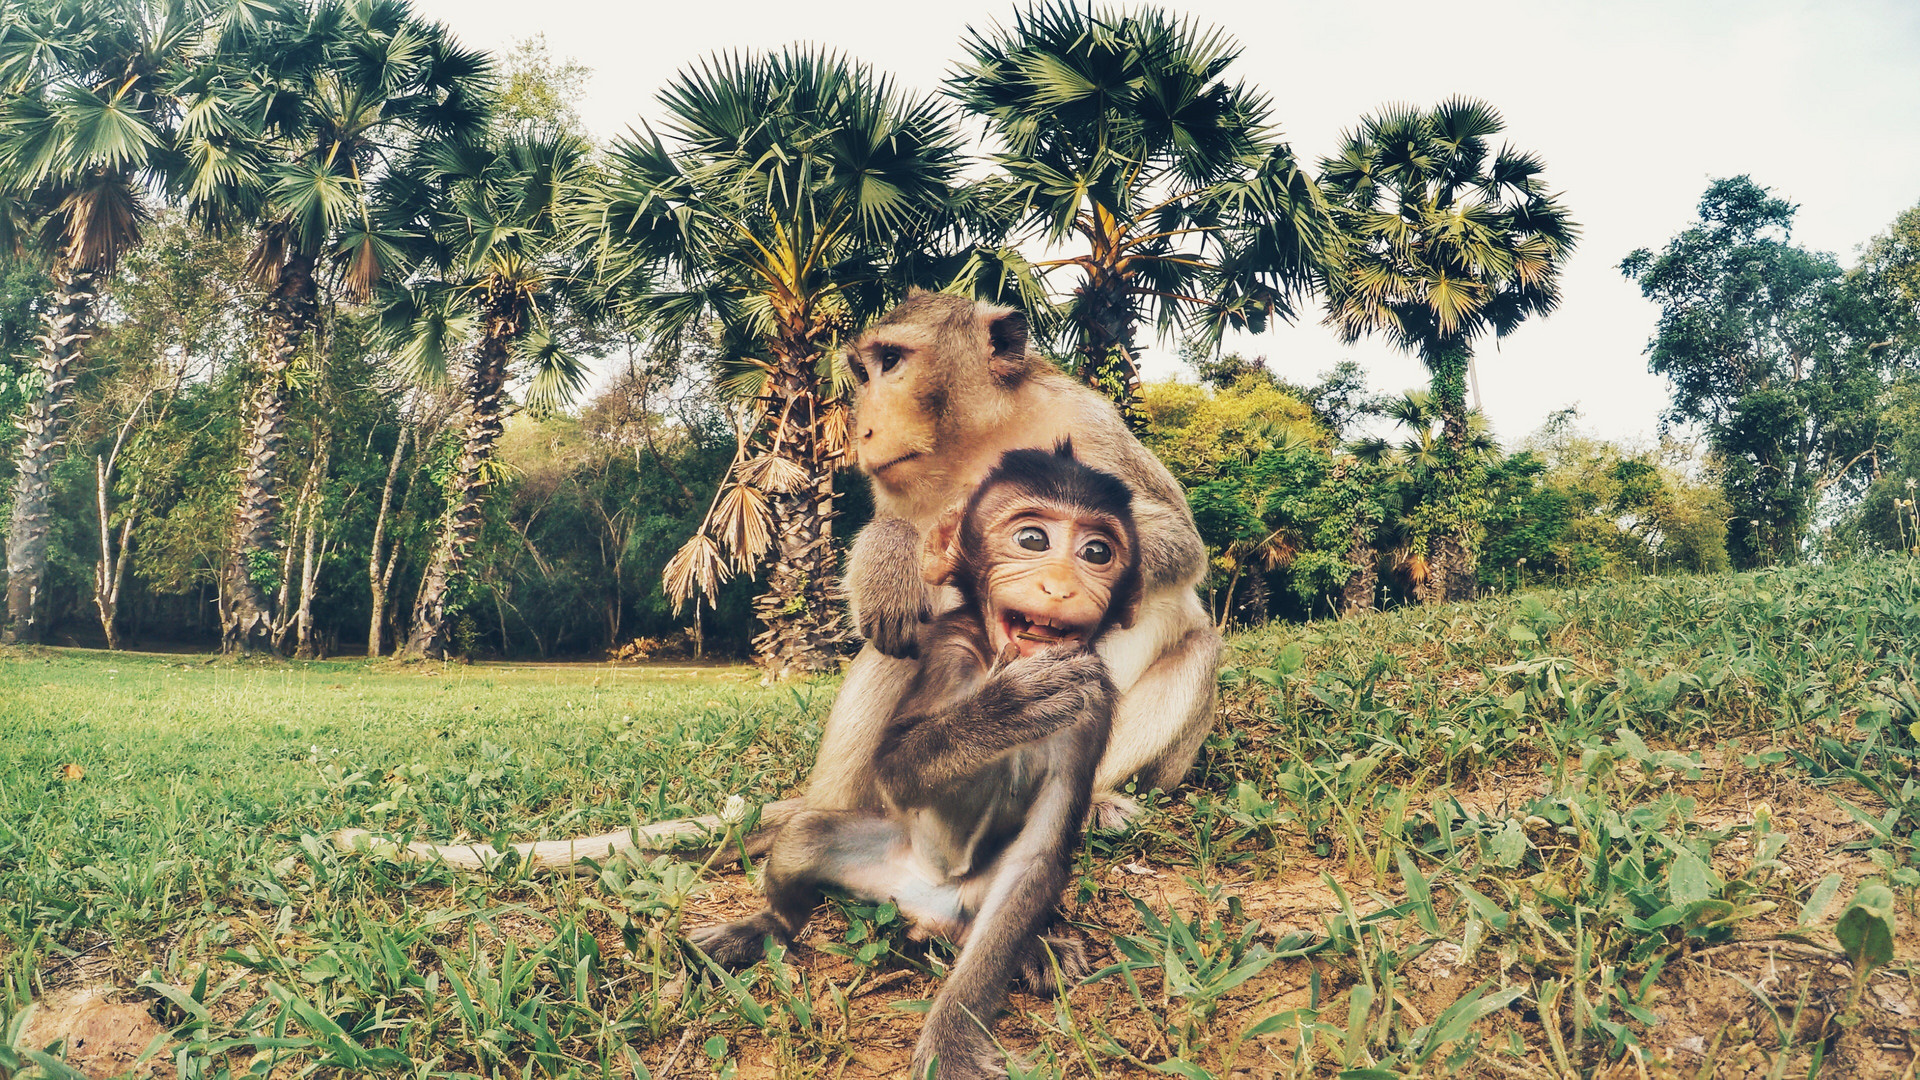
(867, 434)
(1059, 591)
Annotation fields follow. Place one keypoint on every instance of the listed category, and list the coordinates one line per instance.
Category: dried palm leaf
(836, 434)
(743, 522)
(697, 566)
(774, 474)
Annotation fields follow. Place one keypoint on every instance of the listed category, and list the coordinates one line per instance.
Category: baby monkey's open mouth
(1033, 633)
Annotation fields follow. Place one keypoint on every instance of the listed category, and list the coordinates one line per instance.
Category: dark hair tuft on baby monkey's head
(1063, 478)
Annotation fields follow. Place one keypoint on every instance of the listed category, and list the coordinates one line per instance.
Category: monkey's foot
(963, 1054)
(1111, 813)
(1067, 951)
(737, 945)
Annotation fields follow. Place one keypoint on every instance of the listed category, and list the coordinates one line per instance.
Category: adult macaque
(987, 770)
(946, 386)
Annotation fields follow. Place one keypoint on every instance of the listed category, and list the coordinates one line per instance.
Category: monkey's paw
(1055, 677)
(1111, 813)
(963, 1054)
(1067, 951)
(733, 945)
(896, 634)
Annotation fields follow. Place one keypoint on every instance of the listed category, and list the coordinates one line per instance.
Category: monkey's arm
(884, 586)
(1171, 552)
(925, 753)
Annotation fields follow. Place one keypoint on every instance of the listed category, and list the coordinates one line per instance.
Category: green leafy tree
(1773, 356)
(1447, 239)
(801, 194)
(295, 117)
(1887, 280)
(23, 282)
(177, 318)
(1269, 495)
(86, 131)
(1122, 139)
(539, 90)
(1420, 507)
(500, 269)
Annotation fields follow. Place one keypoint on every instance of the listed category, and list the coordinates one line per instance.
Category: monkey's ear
(942, 552)
(1007, 335)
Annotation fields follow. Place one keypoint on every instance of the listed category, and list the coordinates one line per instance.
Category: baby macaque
(988, 764)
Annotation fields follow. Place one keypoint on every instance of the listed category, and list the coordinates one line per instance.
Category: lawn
(1661, 828)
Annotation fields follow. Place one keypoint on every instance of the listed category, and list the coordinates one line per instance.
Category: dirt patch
(102, 1036)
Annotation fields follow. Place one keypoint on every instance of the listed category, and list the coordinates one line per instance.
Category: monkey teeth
(1043, 631)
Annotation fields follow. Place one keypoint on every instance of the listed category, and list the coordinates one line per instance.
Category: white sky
(1634, 105)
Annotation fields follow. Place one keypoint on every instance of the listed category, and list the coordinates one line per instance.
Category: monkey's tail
(570, 856)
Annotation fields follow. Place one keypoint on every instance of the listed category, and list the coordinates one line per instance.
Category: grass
(1663, 828)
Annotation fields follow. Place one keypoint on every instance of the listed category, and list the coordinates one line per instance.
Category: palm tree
(1446, 239)
(498, 269)
(1120, 135)
(803, 194)
(86, 132)
(306, 104)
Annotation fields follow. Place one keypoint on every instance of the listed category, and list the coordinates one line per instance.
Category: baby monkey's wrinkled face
(1044, 553)
(1049, 573)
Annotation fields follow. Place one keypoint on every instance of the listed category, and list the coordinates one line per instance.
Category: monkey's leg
(852, 849)
(843, 776)
(1026, 883)
(1160, 722)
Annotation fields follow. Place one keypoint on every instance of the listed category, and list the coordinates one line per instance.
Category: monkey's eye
(1097, 552)
(889, 356)
(1031, 538)
(859, 371)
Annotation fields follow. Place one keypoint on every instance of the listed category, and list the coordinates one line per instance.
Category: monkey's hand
(890, 601)
(1025, 701)
(1033, 697)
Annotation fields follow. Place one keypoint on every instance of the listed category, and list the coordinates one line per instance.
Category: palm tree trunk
(1256, 601)
(1106, 345)
(1357, 597)
(1462, 563)
(248, 623)
(804, 632)
(485, 392)
(1452, 558)
(65, 327)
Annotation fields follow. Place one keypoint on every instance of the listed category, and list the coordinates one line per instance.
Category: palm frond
(422, 327)
(558, 372)
(696, 568)
(775, 474)
(742, 525)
